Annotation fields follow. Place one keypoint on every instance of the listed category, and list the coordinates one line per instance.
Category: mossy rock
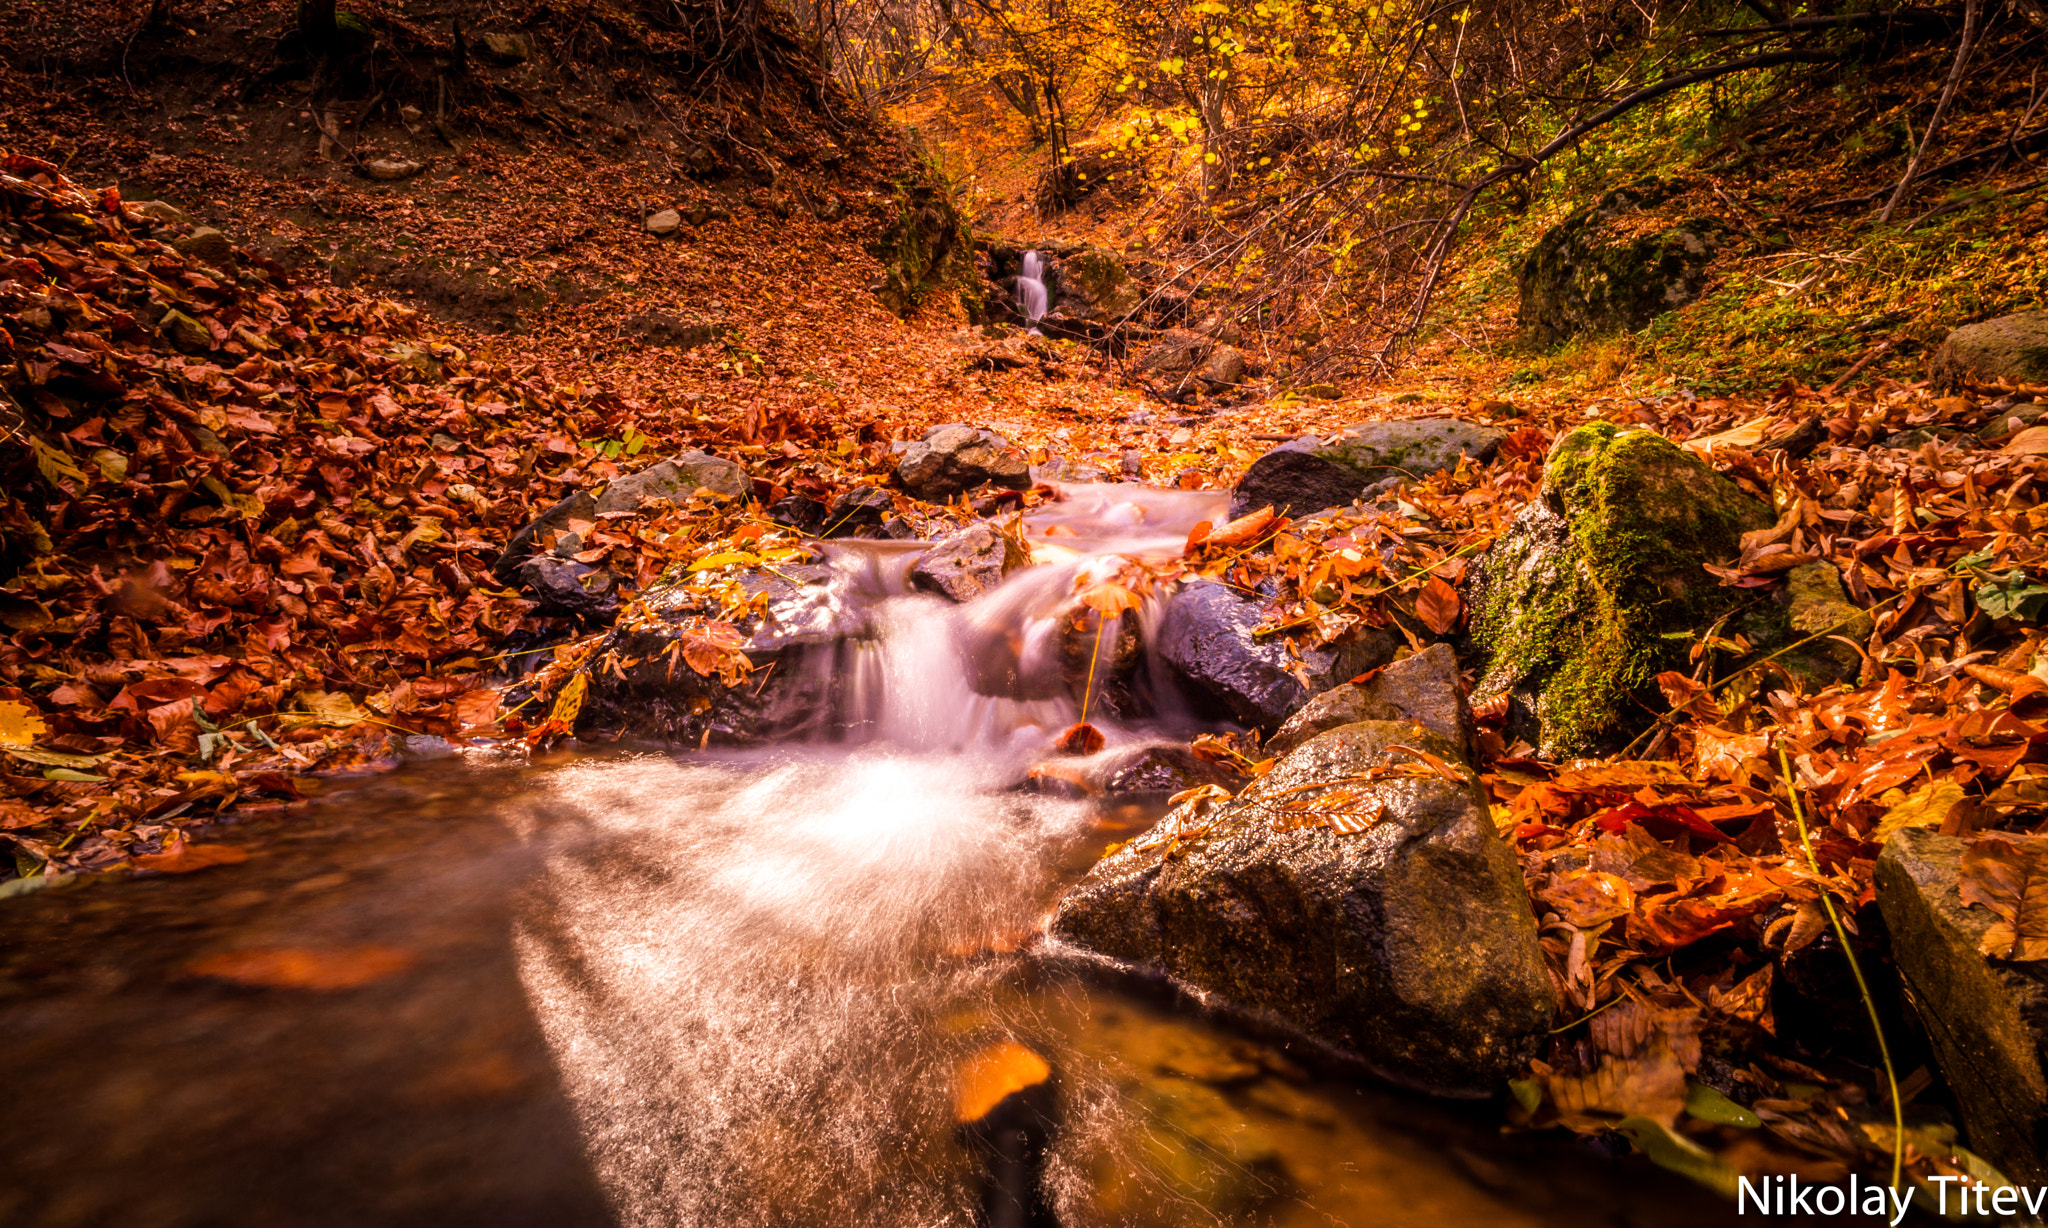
(926, 248)
(1600, 584)
(1599, 271)
(2012, 349)
(1093, 285)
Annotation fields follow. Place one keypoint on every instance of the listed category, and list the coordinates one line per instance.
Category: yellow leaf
(1926, 806)
(1748, 435)
(724, 558)
(19, 724)
(569, 702)
(983, 1080)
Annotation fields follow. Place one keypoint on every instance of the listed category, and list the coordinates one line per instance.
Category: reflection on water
(696, 992)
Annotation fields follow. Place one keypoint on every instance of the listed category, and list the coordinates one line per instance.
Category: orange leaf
(1245, 528)
(189, 857)
(1437, 605)
(1079, 739)
(2009, 876)
(986, 1078)
(300, 968)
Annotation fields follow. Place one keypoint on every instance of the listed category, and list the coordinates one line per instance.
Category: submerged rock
(1406, 941)
(1308, 475)
(955, 458)
(2010, 349)
(1424, 688)
(1599, 585)
(1988, 1020)
(966, 565)
(1206, 637)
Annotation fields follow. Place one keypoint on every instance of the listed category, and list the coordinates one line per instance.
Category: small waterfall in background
(1031, 296)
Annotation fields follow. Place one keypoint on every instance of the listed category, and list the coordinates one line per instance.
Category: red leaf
(1437, 605)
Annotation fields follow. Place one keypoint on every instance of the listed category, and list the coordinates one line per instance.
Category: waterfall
(1031, 295)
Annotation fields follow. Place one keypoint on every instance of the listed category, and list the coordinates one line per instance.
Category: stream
(647, 987)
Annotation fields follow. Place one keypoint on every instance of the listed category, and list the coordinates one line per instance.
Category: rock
(1308, 475)
(966, 565)
(503, 48)
(565, 586)
(1988, 1021)
(1181, 353)
(1205, 636)
(798, 642)
(1409, 944)
(1152, 774)
(1596, 271)
(207, 245)
(2010, 349)
(661, 328)
(666, 222)
(534, 537)
(676, 479)
(858, 512)
(1320, 392)
(805, 515)
(703, 213)
(1816, 605)
(954, 458)
(161, 212)
(185, 333)
(393, 168)
(1423, 689)
(1092, 284)
(2008, 422)
(1599, 585)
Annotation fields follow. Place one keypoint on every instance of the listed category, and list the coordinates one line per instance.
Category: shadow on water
(647, 991)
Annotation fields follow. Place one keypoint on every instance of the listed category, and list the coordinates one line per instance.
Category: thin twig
(1971, 11)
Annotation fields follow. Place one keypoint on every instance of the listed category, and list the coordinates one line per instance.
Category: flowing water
(710, 989)
(1031, 294)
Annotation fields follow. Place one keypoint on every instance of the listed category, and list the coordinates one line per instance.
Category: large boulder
(2010, 349)
(1307, 475)
(1600, 584)
(954, 458)
(1206, 637)
(799, 640)
(675, 480)
(1351, 894)
(1424, 688)
(1603, 269)
(1988, 1020)
(969, 564)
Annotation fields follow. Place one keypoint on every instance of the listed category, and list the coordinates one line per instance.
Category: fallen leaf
(304, 968)
(1438, 605)
(2009, 876)
(187, 857)
(988, 1076)
(1079, 739)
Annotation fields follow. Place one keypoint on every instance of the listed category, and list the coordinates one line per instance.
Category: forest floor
(254, 548)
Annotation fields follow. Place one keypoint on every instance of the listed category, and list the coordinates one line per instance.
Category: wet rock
(675, 480)
(1597, 272)
(206, 244)
(1988, 1020)
(566, 587)
(1423, 689)
(954, 458)
(1599, 585)
(664, 223)
(2010, 349)
(503, 48)
(1409, 944)
(800, 644)
(1155, 773)
(1817, 605)
(966, 565)
(800, 512)
(1308, 475)
(1206, 637)
(2008, 422)
(541, 532)
(858, 512)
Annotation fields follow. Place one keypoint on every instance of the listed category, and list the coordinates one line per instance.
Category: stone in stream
(1307, 475)
(1988, 1019)
(1405, 941)
(955, 458)
(565, 586)
(2010, 349)
(1600, 584)
(799, 643)
(1423, 688)
(529, 540)
(967, 564)
(858, 512)
(1152, 774)
(675, 480)
(1205, 637)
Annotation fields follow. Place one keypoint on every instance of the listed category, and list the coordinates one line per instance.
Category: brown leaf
(1079, 739)
(2009, 876)
(1437, 605)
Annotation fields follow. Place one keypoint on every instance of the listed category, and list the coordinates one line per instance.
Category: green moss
(1584, 625)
